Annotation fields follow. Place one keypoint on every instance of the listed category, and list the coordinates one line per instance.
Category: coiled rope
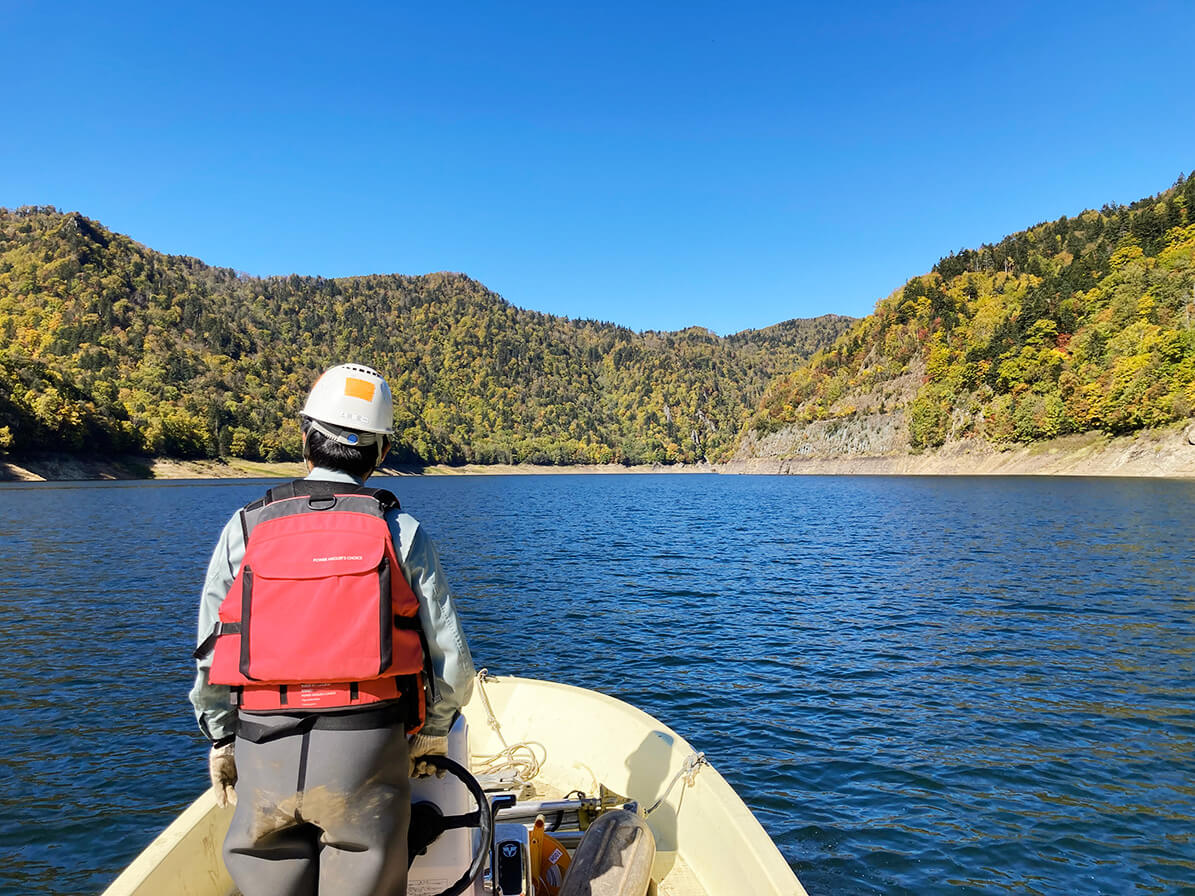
(517, 762)
(520, 763)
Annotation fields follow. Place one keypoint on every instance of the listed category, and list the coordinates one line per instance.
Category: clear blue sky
(659, 165)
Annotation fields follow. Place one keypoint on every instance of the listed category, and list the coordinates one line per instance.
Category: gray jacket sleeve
(448, 650)
(213, 705)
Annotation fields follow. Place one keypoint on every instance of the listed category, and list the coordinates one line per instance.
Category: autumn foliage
(107, 346)
(1084, 323)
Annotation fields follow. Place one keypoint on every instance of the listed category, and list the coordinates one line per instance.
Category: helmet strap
(353, 437)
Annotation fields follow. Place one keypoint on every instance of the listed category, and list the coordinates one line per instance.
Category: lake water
(919, 685)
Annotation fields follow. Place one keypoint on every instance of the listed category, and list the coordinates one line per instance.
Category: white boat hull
(707, 840)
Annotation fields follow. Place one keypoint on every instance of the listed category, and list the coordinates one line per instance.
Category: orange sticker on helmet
(355, 388)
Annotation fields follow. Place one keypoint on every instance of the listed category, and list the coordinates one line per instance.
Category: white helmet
(355, 402)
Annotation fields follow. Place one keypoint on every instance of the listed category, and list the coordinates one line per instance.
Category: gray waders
(321, 808)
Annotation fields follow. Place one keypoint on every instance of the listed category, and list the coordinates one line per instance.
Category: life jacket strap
(209, 643)
(411, 623)
(322, 488)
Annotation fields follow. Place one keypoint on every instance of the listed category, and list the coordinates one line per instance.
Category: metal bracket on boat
(578, 812)
(607, 800)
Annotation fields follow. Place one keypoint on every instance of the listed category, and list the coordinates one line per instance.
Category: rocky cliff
(878, 445)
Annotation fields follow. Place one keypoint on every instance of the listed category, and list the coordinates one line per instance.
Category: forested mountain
(107, 346)
(1084, 323)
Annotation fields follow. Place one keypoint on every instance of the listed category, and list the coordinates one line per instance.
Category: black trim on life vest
(321, 495)
(386, 611)
(412, 623)
(318, 488)
(409, 686)
(245, 522)
(324, 488)
(246, 600)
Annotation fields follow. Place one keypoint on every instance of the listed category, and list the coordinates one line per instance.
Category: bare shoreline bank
(71, 468)
(1162, 453)
(1166, 452)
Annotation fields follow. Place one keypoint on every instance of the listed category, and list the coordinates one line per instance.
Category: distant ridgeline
(1085, 323)
(109, 347)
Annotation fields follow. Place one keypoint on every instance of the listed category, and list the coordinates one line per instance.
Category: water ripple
(983, 685)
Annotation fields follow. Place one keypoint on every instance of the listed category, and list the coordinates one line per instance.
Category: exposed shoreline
(1167, 452)
(71, 468)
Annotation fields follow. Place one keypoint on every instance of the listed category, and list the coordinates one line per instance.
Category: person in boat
(311, 718)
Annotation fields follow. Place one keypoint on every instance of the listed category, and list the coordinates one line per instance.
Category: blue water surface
(919, 685)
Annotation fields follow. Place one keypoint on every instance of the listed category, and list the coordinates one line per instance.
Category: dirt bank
(1167, 452)
(69, 467)
(66, 467)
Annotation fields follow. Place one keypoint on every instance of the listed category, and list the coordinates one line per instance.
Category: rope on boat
(688, 771)
(519, 762)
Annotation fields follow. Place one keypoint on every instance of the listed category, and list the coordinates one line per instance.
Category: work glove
(222, 767)
(427, 745)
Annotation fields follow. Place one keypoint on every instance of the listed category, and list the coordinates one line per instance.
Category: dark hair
(356, 460)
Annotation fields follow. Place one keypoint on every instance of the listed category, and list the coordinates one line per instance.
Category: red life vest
(320, 615)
